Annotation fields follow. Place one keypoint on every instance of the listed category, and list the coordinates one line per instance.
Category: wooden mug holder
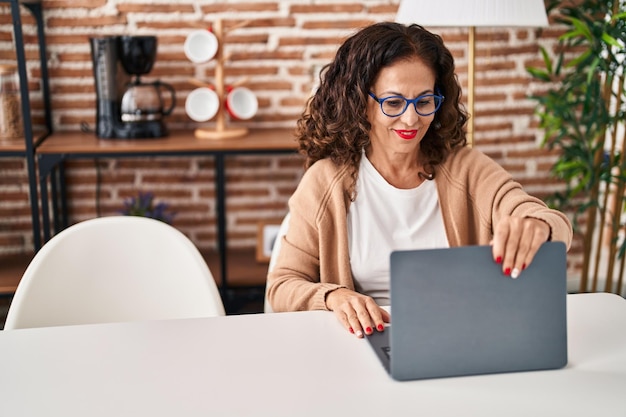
(221, 130)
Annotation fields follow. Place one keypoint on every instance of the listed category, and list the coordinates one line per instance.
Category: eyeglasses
(394, 106)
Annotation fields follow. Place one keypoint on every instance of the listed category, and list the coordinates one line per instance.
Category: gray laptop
(454, 313)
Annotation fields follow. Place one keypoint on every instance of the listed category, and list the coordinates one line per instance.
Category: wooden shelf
(263, 140)
(62, 146)
(11, 270)
(12, 145)
(18, 145)
(243, 270)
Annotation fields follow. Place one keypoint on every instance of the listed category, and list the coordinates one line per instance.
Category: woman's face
(402, 134)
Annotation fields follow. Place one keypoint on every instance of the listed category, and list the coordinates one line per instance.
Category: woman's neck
(401, 170)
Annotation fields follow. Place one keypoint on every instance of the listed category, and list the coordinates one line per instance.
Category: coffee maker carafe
(126, 106)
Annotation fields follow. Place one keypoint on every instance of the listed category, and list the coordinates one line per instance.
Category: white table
(291, 364)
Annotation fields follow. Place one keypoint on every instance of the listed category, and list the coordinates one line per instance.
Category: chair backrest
(282, 231)
(113, 269)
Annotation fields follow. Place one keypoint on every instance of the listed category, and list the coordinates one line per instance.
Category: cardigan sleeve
(488, 193)
(313, 258)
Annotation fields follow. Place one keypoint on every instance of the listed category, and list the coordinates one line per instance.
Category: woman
(387, 168)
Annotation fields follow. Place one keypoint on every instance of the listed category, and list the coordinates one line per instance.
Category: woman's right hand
(358, 313)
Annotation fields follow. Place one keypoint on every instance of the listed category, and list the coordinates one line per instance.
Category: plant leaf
(579, 59)
(610, 40)
(592, 69)
(546, 59)
(539, 73)
(583, 29)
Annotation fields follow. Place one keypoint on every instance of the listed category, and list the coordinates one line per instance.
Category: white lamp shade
(463, 13)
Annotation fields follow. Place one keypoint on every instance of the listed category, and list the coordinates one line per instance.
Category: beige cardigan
(474, 194)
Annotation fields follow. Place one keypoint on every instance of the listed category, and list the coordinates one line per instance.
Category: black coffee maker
(126, 107)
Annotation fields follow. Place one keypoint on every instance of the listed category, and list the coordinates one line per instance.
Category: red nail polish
(368, 330)
(507, 271)
(523, 267)
(380, 327)
(351, 330)
(499, 260)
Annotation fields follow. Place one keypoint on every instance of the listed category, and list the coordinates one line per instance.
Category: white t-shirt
(384, 218)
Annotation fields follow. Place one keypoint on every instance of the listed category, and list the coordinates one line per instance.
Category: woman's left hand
(515, 242)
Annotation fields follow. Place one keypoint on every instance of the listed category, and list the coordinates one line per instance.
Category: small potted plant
(143, 205)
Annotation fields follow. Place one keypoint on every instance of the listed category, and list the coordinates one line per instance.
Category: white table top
(291, 364)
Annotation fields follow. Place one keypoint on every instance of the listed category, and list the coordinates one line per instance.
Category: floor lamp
(472, 14)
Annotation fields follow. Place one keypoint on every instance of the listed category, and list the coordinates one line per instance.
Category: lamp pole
(471, 50)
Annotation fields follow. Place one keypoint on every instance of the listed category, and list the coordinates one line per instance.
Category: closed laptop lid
(455, 313)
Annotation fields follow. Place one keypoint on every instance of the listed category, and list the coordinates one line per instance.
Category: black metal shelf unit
(31, 139)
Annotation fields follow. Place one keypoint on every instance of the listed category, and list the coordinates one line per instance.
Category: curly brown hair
(334, 125)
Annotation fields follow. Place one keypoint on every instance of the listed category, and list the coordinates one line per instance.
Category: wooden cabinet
(239, 271)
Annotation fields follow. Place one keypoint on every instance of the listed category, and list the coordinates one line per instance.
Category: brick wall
(281, 50)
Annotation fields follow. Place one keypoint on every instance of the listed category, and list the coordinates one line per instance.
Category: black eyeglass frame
(438, 101)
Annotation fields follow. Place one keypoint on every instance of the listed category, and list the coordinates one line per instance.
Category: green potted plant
(582, 115)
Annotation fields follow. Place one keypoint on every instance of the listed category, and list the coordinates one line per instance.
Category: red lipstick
(406, 134)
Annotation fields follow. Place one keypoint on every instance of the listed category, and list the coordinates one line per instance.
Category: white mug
(202, 104)
(200, 46)
(241, 103)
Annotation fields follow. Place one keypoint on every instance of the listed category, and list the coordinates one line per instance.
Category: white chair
(282, 231)
(114, 269)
